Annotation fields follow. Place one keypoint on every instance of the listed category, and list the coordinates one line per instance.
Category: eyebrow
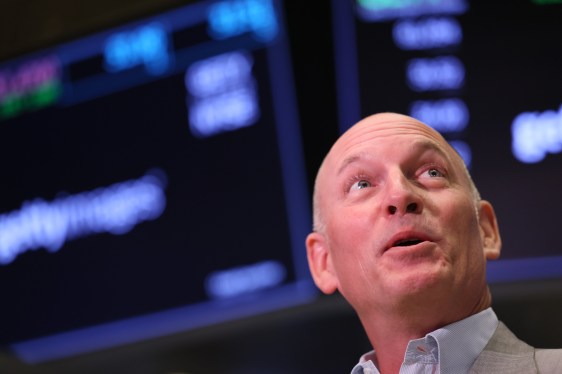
(418, 147)
(350, 160)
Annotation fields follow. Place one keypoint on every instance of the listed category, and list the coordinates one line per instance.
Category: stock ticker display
(153, 181)
(154, 178)
(487, 76)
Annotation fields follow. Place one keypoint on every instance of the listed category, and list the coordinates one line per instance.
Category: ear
(320, 263)
(489, 230)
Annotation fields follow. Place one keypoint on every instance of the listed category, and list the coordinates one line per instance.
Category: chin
(423, 283)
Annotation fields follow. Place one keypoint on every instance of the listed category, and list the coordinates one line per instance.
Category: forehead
(396, 133)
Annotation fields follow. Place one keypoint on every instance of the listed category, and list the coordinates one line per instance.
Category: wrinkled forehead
(375, 130)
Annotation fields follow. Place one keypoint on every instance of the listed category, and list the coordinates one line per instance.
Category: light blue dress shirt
(449, 350)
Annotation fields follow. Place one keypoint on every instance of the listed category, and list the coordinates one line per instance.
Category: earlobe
(489, 230)
(320, 263)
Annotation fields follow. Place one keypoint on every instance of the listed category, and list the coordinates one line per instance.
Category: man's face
(400, 220)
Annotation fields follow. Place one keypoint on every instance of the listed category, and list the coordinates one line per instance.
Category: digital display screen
(153, 181)
(487, 76)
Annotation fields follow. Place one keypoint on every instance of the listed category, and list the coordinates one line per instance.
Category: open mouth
(407, 242)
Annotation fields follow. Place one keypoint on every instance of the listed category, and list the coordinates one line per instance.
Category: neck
(390, 337)
(390, 331)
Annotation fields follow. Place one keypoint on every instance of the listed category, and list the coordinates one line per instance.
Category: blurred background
(159, 158)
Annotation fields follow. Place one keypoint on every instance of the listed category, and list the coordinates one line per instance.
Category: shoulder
(549, 360)
(504, 341)
(507, 353)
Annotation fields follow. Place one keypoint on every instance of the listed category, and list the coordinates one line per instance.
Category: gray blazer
(504, 353)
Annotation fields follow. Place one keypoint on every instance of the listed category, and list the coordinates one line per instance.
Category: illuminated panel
(146, 46)
(434, 32)
(222, 94)
(28, 86)
(440, 73)
(115, 209)
(383, 10)
(535, 134)
(232, 18)
(474, 75)
(445, 115)
(250, 278)
(156, 181)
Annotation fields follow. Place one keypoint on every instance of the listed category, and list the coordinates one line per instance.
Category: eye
(434, 173)
(360, 184)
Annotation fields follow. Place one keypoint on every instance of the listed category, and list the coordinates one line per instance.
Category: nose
(402, 197)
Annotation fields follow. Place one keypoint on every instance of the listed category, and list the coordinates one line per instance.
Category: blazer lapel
(504, 353)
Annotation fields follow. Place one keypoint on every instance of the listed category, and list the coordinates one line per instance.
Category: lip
(405, 235)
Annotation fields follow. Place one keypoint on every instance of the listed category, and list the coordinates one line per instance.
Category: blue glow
(445, 115)
(427, 33)
(384, 10)
(115, 209)
(219, 74)
(464, 150)
(223, 94)
(159, 324)
(235, 17)
(245, 279)
(439, 73)
(227, 112)
(146, 45)
(534, 134)
(510, 270)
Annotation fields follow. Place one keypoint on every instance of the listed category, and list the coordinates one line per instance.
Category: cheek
(349, 229)
(353, 241)
(460, 217)
(467, 242)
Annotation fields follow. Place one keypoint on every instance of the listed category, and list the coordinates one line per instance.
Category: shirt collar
(458, 344)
